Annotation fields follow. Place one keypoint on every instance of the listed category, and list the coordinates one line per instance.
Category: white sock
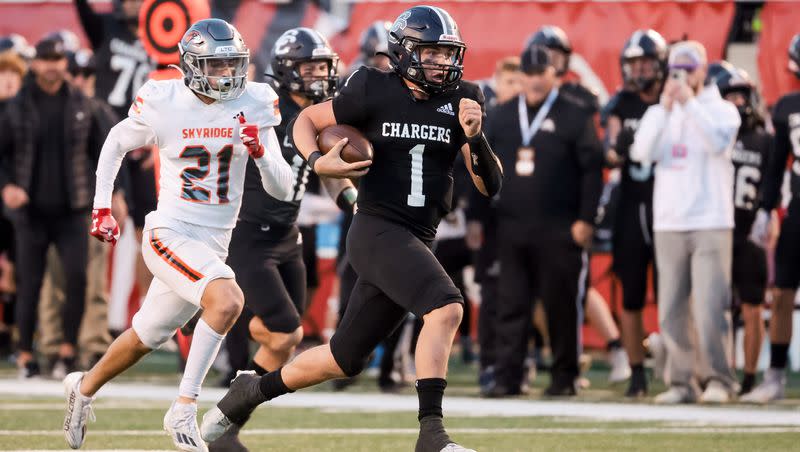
(205, 345)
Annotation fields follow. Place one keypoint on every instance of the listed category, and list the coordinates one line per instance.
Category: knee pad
(155, 331)
(350, 359)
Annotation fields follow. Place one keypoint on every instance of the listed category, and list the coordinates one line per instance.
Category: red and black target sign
(162, 23)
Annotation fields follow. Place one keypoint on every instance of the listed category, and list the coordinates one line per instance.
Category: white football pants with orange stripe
(183, 258)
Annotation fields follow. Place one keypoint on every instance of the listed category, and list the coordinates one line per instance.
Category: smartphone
(678, 74)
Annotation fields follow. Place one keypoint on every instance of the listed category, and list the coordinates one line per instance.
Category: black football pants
(70, 235)
(544, 261)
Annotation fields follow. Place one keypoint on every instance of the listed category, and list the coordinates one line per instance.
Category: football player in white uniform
(200, 125)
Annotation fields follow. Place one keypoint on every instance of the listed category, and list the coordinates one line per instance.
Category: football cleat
(770, 390)
(235, 407)
(79, 410)
(620, 367)
(228, 442)
(181, 424)
(453, 447)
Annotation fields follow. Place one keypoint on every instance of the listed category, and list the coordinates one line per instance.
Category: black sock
(779, 354)
(637, 370)
(747, 382)
(259, 370)
(613, 344)
(272, 385)
(430, 392)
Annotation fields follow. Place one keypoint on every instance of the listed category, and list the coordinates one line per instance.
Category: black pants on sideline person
(70, 234)
(539, 260)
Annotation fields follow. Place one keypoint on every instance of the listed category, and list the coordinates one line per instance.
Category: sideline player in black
(643, 62)
(373, 47)
(559, 48)
(417, 118)
(266, 246)
(750, 159)
(550, 145)
(786, 119)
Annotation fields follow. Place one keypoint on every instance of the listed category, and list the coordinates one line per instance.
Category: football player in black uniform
(418, 118)
(266, 251)
(750, 158)
(373, 46)
(643, 61)
(122, 62)
(560, 49)
(786, 119)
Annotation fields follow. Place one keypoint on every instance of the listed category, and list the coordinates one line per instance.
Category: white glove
(760, 228)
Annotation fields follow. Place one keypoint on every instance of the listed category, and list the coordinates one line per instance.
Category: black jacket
(86, 125)
(561, 180)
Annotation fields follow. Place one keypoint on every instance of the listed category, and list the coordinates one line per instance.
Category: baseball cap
(534, 60)
(50, 49)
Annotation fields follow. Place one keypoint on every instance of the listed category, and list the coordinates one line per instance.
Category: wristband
(347, 198)
(312, 159)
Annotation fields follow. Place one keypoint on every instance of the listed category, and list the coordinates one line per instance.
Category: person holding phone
(690, 134)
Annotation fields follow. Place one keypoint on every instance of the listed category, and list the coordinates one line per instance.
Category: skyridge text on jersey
(208, 132)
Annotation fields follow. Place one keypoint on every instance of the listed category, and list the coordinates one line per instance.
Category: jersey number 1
(192, 192)
(416, 198)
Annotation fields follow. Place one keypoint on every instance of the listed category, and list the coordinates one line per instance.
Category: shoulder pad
(150, 94)
(265, 100)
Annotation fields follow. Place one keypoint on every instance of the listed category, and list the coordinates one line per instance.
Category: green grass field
(34, 423)
(126, 425)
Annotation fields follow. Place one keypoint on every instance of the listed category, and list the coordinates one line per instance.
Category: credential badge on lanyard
(526, 154)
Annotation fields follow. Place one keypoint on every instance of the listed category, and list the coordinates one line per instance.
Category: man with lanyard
(545, 214)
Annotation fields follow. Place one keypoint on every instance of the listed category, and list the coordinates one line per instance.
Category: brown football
(357, 148)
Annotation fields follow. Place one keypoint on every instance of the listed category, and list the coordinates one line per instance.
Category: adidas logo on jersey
(446, 109)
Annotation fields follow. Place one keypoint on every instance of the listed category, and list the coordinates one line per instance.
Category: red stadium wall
(781, 21)
(493, 30)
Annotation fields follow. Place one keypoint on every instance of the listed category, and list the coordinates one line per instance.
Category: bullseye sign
(162, 23)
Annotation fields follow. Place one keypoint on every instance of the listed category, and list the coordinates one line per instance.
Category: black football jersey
(415, 141)
(786, 119)
(258, 206)
(750, 159)
(636, 184)
(123, 65)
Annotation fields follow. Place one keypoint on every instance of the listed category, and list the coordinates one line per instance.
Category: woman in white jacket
(690, 136)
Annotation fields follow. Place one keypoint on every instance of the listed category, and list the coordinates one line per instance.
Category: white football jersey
(202, 158)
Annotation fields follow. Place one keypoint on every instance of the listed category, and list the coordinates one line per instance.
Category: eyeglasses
(689, 68)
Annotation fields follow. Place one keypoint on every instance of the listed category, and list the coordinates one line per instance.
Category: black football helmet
(794, 55)
(300, 45)
(423, 26)
(553, 38)
(730, 79)
(644, 44)
(375, 39)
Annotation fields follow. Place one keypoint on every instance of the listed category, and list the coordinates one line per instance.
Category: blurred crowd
(678, 177)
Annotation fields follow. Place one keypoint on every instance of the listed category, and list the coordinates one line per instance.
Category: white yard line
(453, 406)
(465, 431)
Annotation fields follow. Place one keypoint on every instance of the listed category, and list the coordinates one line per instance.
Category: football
(357, 149)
